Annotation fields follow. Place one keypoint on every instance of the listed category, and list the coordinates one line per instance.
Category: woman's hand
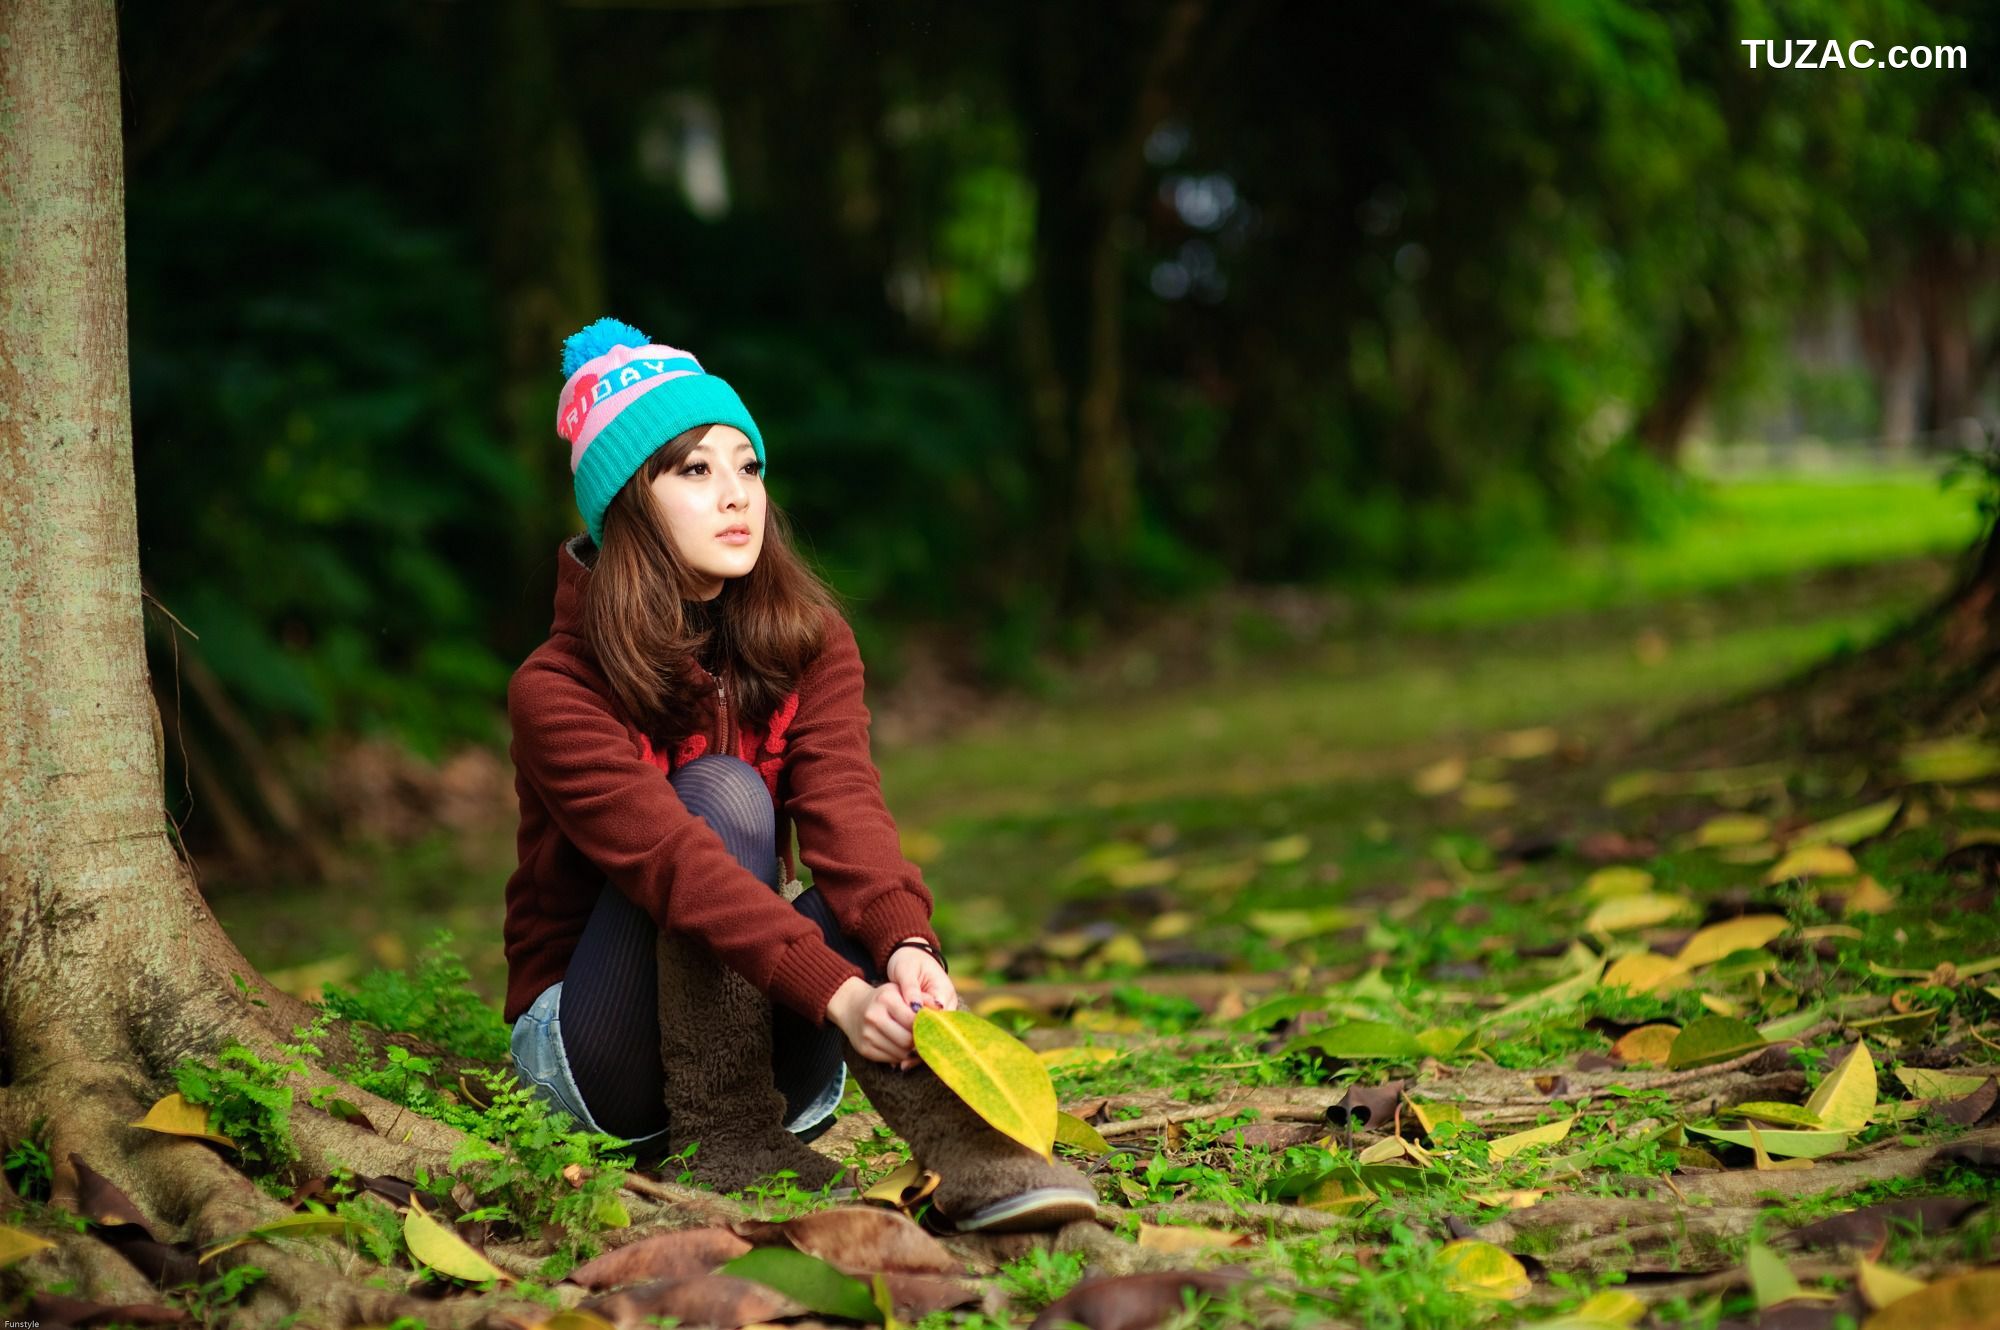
(877, 1020)
(921, 978)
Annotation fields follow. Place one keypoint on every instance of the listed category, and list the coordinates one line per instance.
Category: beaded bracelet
(922, 945)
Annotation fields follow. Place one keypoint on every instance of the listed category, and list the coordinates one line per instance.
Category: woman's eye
(696, 467)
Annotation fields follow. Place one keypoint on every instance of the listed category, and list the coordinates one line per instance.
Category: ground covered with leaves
(1523, 1029)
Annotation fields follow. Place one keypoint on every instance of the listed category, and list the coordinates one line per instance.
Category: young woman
(699, 698)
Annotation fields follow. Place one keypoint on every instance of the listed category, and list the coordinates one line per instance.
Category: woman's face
(713, 503)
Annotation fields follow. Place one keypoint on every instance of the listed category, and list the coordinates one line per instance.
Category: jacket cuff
(893, 918)
(809, 974)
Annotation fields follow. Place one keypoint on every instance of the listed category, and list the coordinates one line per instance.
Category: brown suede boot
(715, 1045)
(986, 1181)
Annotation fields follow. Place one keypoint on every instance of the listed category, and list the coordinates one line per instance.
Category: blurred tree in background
(1050, 312)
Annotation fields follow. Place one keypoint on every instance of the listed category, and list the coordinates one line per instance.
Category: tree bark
(1892, 342)
(112, 969)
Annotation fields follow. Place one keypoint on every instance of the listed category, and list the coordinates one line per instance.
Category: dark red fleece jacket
(595, 803)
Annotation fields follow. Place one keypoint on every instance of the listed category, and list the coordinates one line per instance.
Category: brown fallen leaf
(99, 1200)
(1366, 1104)
(1129, 1302)
(858, 1240)
(678, 1255)
(1870, 1226)
(917, 1296)
(1971, 1108)
(1967, 1302)
(720, 1300)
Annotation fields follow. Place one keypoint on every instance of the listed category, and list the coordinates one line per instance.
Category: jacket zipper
(722, 725)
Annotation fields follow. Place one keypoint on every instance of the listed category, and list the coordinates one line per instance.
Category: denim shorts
(539, 1060)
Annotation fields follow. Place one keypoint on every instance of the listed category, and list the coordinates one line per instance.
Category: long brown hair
(770, 629)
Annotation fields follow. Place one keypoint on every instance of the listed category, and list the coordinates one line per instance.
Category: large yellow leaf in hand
(996, 1075)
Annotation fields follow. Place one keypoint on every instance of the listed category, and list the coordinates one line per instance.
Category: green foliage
(249, 1100)
(433, 1001)
(27, 1165)
(1034, 1281)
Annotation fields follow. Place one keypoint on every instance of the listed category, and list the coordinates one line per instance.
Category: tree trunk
(1689, 376)
(1086, 141)
(112, 969)
(1892, 342)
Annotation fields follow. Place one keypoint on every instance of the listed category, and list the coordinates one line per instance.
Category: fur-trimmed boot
(986, 1181)
(715, 1046)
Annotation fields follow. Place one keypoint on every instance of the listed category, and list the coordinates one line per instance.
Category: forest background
(1204, 327)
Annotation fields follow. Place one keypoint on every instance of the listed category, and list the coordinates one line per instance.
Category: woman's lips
(738, 536)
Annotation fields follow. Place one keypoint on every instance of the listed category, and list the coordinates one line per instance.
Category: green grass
(1739, 531)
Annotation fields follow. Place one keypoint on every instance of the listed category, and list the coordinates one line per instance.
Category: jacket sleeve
(624, 817)
(832, 791)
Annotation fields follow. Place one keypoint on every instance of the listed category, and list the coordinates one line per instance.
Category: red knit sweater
(595, 803)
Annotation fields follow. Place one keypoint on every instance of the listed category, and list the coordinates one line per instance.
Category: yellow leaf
(1526, 745)
(1732, 829)
(1506, 1147)
(1867, 896)
(1121, 949)
(1617, 880)
(898, 1180)
(1335, 1193)
(1711, 944)
(993, 1072)
(1285, 849)
(1771, 1280)
(1094, 1021)
(1486, 795)
(1440, 777)
(999, 1002)
(1764, 1162)
(1074, 1132)
(444, 1251)
(16, 1245)
(1813, 861)
(1170, 925)
(1721, 1006)
(1851, 828)
(1559, 993)
(1645, 972)
(1611, 1307)
(292, 1226)
(1182, 1238)
(1431, 1116)
(1881, 1286)
(175, 1116)
(1284, 926)
(1483, 1270)
(1967, 1302)
(1078, 1057)
(1144, 873)
(1647, 910)
(1648, 1043)
(1394, 1150)
(919, 846)
(1513, 1199)
(1951, 761)
(1763, 852)
(1845, 1100)
(1924, 1084)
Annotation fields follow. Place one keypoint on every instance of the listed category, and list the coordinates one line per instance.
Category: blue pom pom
(582, 347)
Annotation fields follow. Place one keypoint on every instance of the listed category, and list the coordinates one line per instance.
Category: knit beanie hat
(626, 396)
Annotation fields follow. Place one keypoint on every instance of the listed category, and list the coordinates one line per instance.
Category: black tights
(610, 997)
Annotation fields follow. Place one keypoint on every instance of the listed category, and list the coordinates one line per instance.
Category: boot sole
(1044, 1207)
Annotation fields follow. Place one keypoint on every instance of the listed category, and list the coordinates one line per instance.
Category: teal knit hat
(626, 396)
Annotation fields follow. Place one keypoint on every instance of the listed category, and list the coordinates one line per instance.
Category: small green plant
(27, 1165)
(249, 1099)
(1040, 1277)
(434, 1001)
